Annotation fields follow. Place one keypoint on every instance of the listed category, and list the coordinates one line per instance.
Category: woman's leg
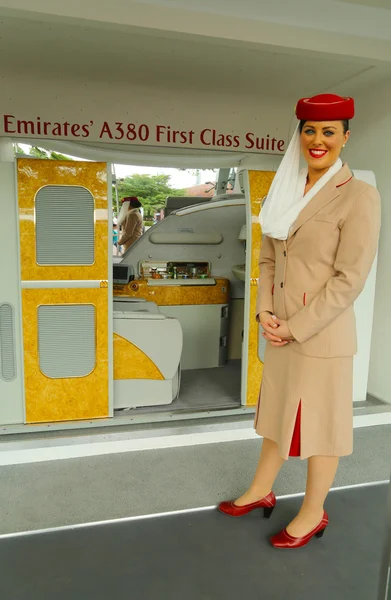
(270, 462)
(320, 476)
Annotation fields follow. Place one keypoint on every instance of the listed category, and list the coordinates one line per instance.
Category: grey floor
(203, 389)
(56, 493)
(204, 556)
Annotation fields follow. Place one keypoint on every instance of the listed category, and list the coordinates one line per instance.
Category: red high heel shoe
(268, 504)
(286, 541)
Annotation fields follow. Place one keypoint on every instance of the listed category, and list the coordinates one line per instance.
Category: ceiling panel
(71, 51)
(370, 3)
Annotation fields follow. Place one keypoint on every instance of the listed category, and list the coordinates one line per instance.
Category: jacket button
(282, 285)
(284, 252)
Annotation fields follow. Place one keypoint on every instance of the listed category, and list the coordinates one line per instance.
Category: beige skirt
(324, 386)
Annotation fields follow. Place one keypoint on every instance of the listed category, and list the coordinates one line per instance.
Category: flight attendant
(320, 235)
(130, 221)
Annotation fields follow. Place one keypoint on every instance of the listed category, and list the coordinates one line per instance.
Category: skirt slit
(295, 449)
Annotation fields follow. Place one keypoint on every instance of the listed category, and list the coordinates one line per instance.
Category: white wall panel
(11, 388)
(368, 148)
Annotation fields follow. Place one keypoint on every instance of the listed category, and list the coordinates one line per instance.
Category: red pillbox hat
(130, 199)
(325, 107)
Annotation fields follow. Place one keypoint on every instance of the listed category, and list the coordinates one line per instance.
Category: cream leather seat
(147, 354)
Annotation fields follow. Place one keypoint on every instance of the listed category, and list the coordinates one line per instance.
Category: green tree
(40, 153)
(151, 190)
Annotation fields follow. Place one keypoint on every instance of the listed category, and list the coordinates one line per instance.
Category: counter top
(157, 282)
(176, 292)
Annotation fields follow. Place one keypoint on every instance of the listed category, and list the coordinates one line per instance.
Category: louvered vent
(7, 343)
(64, 217)
(66, 340)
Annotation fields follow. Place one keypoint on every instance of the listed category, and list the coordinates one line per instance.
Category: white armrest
(140, 315)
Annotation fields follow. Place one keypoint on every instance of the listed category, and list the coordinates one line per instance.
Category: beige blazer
(313, 278)
(131, 229)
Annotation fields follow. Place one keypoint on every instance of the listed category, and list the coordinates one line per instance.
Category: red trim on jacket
(343, 183)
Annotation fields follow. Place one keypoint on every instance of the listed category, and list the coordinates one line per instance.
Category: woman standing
(321, 229)
(130, 221)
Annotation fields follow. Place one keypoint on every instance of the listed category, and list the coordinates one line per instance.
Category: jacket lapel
(326, 195)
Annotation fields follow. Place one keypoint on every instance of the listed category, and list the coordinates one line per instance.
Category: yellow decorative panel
(132, 363)
(260, 182)
(49, 400)
(33, 174)
(176, 295)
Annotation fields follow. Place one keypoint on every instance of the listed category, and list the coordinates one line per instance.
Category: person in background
(130, 222)
(115, 235)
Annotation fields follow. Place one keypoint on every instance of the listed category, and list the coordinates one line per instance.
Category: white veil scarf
(286, 198)
(123, 213)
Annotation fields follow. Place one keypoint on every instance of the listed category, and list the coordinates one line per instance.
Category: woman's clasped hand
(276, 331)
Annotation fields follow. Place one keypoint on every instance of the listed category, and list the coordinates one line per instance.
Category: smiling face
(322, 142)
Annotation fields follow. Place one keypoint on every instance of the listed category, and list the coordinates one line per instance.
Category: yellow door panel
(64, 398)
(33, 176)
(260, 182)
(63, 217)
